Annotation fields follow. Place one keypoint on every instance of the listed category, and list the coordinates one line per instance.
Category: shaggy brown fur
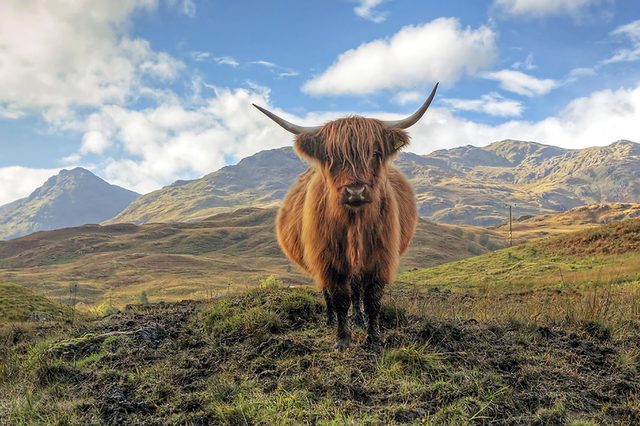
(352, 252)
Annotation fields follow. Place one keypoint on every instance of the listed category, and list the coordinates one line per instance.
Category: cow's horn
(293, 128)
(412, 119)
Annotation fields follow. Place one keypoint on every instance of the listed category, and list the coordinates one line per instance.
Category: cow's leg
(356, 303)
(331, 311)
(373, 291)
(341, 302)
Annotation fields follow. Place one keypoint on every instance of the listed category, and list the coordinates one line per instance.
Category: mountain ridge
(464, 185)
(72, 197)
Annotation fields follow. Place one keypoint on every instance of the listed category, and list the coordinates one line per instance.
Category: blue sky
(144, 92)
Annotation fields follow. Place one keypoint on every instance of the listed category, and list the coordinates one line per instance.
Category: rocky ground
(266, 357)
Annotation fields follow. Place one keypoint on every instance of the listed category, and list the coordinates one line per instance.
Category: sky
(146, 92)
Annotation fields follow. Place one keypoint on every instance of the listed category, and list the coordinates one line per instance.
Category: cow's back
(289, 219)
(408, 213)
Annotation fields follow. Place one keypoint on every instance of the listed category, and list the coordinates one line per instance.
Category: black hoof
(373, 343)
(342, 344)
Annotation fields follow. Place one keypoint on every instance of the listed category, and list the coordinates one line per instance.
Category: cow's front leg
(357, 317)
(331, 311)
(373, 290)
(341, 301)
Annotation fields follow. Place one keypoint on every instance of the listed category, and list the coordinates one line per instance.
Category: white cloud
(55, 56)
(176, 141)
(491, 103)
(200, 56)
(264, 64)
(521, 83)
(18, 182)
(365, 10)
(630, 31)
(403, 98)
(227, 60)
(598, 119)
(94, 142)
(10, 112)
(277, 70)
(527, 64)
(440, 50)
(541, 8)
(581, 72)
(186, 7)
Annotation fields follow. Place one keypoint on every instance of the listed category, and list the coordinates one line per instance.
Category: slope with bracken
(172, 261)
(529, 227)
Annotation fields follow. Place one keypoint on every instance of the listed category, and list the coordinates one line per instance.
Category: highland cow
(349, 217)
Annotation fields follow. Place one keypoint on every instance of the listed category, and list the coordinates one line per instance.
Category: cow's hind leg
(331, 311)
(373, 291)
(357, 317)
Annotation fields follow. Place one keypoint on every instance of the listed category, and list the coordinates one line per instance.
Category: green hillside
(606, 254)
(18, 303)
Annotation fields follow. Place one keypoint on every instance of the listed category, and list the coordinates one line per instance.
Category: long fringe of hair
(353, 141)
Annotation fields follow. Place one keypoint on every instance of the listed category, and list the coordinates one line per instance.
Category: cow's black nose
(355, 190)
(356, 194)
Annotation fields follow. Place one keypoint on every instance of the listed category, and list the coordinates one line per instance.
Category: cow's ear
(397, 139)
(310, 146)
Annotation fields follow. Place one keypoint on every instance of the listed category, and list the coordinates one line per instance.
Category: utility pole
(510, 225)
(510, 228)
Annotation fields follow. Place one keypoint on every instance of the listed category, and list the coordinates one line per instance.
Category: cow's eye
(378, 155)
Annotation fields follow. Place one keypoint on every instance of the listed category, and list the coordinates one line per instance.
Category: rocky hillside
(261, 180)
(265, 357)
(71, 198)
(465, 185)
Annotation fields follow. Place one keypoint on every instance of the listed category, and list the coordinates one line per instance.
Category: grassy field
(18, 303)
(591, 275)
(116, 264)
(265, 357)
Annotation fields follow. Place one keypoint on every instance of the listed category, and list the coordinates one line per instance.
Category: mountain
(261, 180)
(465, 185)
(71, 198)
(172, 261)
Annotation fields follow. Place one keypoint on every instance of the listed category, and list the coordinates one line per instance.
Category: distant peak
(513, 142)
(75, 170)
(624, 142)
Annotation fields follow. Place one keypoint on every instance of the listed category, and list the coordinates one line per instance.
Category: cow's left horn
(293, 128)
(412, 119)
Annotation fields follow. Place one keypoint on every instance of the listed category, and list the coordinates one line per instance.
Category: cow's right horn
(293, 128)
